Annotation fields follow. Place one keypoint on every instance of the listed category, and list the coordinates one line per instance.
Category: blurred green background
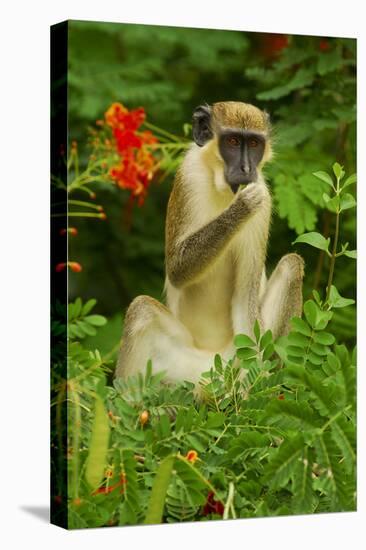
(307, 84)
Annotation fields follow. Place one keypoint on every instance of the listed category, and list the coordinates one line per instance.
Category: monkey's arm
(188, 258)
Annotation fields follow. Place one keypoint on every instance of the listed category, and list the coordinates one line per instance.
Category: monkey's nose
(245, 168)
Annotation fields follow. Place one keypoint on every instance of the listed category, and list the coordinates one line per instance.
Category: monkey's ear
(201, 127)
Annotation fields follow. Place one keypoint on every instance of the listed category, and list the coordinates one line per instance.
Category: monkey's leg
(152, 332)
(282, 298)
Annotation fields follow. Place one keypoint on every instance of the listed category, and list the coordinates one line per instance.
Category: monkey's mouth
(238, 181)
(235, 187)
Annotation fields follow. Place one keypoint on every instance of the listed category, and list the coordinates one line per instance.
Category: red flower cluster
(213, 506)
(135, 168)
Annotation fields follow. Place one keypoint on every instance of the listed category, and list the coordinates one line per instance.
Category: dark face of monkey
(242, 150)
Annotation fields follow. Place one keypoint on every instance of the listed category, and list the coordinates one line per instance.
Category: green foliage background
(309, 89)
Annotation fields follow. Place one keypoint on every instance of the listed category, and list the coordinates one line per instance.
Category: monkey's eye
(253, 142)
(233, 141)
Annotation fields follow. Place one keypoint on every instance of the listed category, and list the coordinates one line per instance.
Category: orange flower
(192, 456)
(118, 116)
(114, 114)
(148, 137)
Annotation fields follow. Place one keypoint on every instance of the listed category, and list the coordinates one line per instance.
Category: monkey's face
(239, 133)
(242, 151)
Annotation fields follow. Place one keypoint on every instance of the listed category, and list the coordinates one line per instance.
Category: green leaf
(336, 300)
(320, 349)
(324, 338)
(215, 420)
(300, 326)
(329, 61)
(160, 486)
(246, 353)
(266, 339)
(268, 352)
(74, 309)
(343, 434)
(293, 205)
(282, 465)
(295, 351)
(75, 332)
(324, 176)
(338, 170)
(86, 328)
(331, 204)
(316, 317)
(130, 507)
(303, 414)
(302, 483)
(351, 179)
(98, 448)
(347, 201)
(218, 363)
(314, 239)
(88, 306)
(243, 341)
(311, 312)
(257, 331)
(351, 254)
(298, 339)
(96, 320)
(327, 458)
(302, 78)
(312, 188)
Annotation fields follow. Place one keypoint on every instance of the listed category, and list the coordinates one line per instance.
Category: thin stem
(86, 204)
(78, 215)
(333, 257)
(230, 502)
(76, 444)
(161, 131)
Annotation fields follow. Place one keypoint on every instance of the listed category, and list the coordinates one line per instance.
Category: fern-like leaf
(302, 483)
(343, 434)
(282, 465)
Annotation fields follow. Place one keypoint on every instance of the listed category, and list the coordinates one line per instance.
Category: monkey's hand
(252, 197)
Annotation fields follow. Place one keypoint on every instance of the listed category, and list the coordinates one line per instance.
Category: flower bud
(192, 456)
(75, 267)
(144, 417)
